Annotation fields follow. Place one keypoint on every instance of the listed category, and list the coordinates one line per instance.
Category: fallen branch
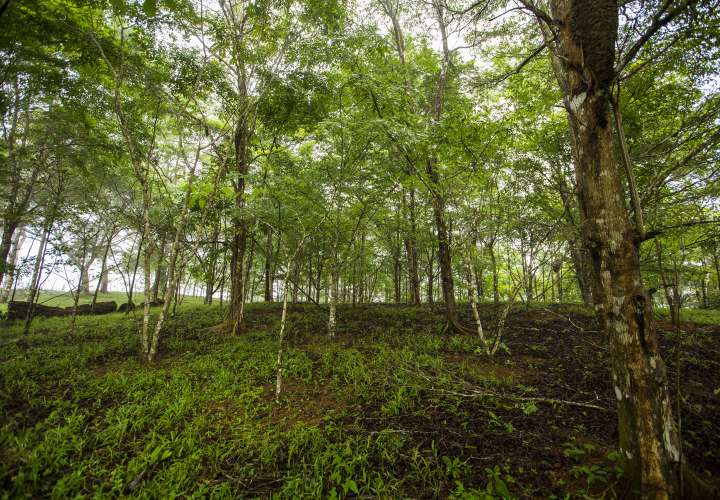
(512, 397)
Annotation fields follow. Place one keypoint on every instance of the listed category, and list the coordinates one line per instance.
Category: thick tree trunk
(584, 64)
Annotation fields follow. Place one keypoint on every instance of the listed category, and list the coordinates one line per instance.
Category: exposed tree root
(226, 327)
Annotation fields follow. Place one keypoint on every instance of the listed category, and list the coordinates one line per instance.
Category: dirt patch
(302, 403)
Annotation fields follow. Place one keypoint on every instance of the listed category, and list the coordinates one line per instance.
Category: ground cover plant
(389, 408)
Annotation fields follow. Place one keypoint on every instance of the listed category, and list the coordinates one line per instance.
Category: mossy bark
(584, 64)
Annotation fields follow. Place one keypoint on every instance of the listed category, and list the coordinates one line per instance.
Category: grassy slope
(388, 409)
(65, 299)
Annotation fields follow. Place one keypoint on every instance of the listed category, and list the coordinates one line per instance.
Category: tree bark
(5, 246)
(11, 269)
(582, 266)
(495, 272)
(103, 269)
(411, 249)
(237, 275)
(37, 271)
(268, 256)
(584, 58)
(431, 277)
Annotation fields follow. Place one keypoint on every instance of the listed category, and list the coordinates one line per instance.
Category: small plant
(497, 422)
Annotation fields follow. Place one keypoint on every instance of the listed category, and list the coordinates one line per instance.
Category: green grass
(65, 299)
(700, 316)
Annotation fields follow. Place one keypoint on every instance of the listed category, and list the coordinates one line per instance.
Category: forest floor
(390, 408)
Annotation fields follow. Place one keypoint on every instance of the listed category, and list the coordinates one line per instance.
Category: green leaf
(150, 7)
(350, 485)
(501, 488)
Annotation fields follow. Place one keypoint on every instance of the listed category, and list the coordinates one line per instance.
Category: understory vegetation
(389, 408)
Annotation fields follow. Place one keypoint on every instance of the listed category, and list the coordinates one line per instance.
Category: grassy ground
(65, 299)
(390, 408)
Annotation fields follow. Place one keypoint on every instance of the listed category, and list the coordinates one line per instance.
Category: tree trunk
(268, 256)
(159, 273)
(5, 246)
(444, 259)
(103, 269)
(333, 292)
(584, 65)
(583, 266)
(396, 279)
(11, 269)
(237, 275)
(35, 280)
(668, 288)
(411, 251)
(471, 296)
(431, 277)
(319, 279)
(495, 272)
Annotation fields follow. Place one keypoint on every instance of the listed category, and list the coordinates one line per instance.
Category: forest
(462, 249)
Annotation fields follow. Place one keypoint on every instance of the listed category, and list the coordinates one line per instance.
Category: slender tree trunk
(268, 256)
(147, 255)
(584, 65)
(159, 273)
(35, 280)
(431, 277)
(131, 287)
(11, 270)
(5, 246)
(319, 279)
(578, 254)
(583, 267)
(558, 278)
(76, 301)
(278, 378)
(411, 250)
(668, 288)
(495, 272)
(103, 269)
(249, 269)
(333, 292)
(397, 270)
(473, 305)
(444, 260)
